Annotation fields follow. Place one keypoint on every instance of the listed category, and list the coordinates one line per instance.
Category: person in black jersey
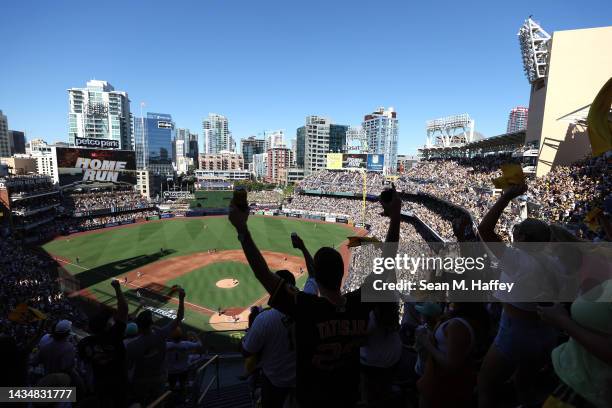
(330, 328)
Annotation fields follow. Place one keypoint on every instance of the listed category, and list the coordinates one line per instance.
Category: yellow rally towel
(24, 314)
(512, 174)
(554, 402)
(357, 241)
(591, 219)
(599, 126)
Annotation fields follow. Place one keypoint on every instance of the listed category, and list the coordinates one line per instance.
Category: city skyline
(254, 94)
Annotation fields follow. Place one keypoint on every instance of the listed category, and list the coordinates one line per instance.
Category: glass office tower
(153, 137)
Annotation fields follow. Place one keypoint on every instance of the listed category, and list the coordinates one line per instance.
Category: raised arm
(392, 209)
(486, 228)
(180, 314)
(392, 206)
(258, 264)
(298, 243)
(122, 307)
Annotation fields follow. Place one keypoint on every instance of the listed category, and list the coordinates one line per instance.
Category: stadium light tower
(534, 43)
(450, 131)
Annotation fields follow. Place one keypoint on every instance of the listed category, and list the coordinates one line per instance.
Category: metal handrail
(215, 378)
(160, 399)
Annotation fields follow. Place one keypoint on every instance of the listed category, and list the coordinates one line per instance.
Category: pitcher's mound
(227, 283)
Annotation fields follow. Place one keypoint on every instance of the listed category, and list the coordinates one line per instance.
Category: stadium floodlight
(534, 42)
(450, 131)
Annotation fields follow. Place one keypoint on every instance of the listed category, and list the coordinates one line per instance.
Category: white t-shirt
(384, 349)
(271, 335)
(177, 355)
(532, 281)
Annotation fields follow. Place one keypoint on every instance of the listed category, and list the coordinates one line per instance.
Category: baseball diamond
(200, 254)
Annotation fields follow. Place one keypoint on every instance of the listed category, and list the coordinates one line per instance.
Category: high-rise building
(355, 140)
(260, 165)
(194, 151)
(517, 120)
(217, 136)
(249, 147)
(381, 132)
(337, 138)
(274, 138)
(179, 149)
(221, 161)
(37, 145)
(5, 141)
(183, 138)
(153, 137)
(300, 146)
(293, 151)
(17, 140)
(279, 160)
(99, 112)
(316, 144)
(46, 164)
(182, 164)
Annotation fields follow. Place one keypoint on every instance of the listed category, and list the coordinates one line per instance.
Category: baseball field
(201, 254)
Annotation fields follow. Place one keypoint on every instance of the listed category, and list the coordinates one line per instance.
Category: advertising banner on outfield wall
(81, 165)
(334, 161)
(354, 161)
(376, 162)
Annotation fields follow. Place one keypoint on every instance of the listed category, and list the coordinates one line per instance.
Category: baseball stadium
(235, 284)
(201, 254)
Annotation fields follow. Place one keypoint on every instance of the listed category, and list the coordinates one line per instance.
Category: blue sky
(267, 64)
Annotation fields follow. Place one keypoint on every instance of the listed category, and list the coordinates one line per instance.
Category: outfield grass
(113, 252)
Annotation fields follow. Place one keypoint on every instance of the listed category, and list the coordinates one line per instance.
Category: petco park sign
(96, 143)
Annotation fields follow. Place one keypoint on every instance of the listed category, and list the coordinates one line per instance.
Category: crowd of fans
(24, 186)
(265, 198)
(91, 222)
(29, 278)
(565, 195)
(568, 193)
(114, 200)
(124, 360)
(352, 209)
(324, 346)
(179, 207)
(342, 181)
(31, 205)
(440, 354)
